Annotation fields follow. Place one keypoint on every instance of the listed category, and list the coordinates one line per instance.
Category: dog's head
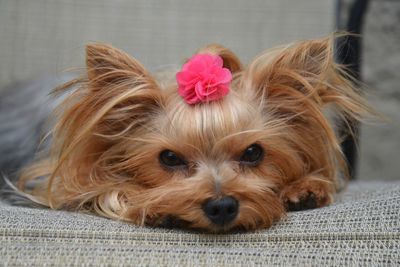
(129, 147)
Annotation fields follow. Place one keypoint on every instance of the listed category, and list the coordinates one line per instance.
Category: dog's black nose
(221, 211)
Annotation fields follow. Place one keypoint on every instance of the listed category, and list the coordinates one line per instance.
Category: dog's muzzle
(221, 211)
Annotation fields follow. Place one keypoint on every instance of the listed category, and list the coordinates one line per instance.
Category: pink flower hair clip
(203, 79)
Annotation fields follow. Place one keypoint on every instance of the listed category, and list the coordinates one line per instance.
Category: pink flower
(203, 78)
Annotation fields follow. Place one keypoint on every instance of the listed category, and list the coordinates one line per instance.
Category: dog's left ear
(303, 71)
(231, 61)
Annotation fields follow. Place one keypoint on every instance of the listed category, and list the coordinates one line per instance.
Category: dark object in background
(349, 50)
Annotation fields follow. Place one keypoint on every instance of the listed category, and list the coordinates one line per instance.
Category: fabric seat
(361, 229)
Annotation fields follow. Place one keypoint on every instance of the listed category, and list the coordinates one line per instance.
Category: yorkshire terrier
(218, 147)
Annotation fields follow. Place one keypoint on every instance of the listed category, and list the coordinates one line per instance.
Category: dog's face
(130, 148)
(210, 166)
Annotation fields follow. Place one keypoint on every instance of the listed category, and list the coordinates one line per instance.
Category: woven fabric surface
(361, 229)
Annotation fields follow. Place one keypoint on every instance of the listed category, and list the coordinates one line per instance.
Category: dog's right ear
(118, 95)
(116, 100)
(231, 61)
(108, 66)
(120, 86)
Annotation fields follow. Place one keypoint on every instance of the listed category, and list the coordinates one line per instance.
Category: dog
(217, 146)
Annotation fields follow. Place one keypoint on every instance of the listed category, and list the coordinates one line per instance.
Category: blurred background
(47, 37)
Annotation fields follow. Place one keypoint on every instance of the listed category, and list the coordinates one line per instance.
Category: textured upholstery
(361, 229)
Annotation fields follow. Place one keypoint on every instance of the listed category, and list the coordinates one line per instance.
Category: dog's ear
(231, 61)
(122, 84)
(304, 71)
(115, 101)
(107, 66)
(118, 96)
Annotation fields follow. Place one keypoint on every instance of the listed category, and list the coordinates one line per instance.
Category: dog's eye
(252, 155)
(171, 159)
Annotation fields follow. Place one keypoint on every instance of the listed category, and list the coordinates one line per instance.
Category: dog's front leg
(309, 192)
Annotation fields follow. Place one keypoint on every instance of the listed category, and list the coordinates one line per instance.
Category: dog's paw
(307, 193)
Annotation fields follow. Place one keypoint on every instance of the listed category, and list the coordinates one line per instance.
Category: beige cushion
(362, 229)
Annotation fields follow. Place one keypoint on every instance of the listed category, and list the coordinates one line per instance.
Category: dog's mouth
(174, 222)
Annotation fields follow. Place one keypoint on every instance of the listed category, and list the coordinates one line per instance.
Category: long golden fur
(111, 129)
